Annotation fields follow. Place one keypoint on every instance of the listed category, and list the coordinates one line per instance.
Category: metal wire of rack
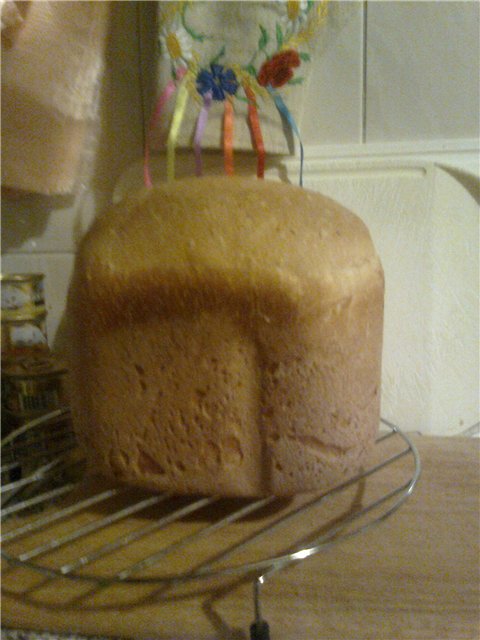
(227, 534)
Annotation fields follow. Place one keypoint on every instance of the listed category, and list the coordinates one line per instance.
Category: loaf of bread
(226, 339)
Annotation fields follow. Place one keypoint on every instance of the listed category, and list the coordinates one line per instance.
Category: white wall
(394, 93)
(392, 71)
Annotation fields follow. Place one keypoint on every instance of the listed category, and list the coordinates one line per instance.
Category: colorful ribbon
(199, 131)
(165, 96)
(285, 113)
(178, 113)
(228, 128)
(255, 130)
(159, 107)
(228, 116)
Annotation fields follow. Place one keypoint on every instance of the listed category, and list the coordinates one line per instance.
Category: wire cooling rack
(58, 523)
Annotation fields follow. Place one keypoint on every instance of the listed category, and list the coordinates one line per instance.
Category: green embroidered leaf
(279, 35)
(263, 41)
(199, 37)
(295, 81)
(219, 55)
(304, 56)
(251, 70)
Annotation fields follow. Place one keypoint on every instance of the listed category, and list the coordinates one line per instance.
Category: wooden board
(415, 576)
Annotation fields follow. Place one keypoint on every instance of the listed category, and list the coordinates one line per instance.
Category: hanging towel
(52, 64)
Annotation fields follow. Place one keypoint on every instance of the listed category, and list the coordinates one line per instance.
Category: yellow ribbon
(178, 113)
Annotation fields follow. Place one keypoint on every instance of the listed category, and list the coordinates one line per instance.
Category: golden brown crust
(227, 339)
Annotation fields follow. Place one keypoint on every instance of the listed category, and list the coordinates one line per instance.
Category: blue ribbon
(285, 113)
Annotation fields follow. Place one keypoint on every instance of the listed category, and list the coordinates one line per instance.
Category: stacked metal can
(32, 377)
(24, 316)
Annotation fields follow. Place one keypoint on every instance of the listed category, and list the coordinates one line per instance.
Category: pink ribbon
(199, 131)
(159, 107)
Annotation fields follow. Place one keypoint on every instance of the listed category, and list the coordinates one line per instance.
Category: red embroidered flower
(278, 70)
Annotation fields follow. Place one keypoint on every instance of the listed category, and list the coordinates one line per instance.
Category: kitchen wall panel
(425, 228)
(333, 111)
(422, 74)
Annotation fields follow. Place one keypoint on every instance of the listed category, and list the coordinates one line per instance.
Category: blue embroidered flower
(218, 80)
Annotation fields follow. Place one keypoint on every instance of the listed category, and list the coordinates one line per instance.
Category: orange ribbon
(228, 116)
(255, 130)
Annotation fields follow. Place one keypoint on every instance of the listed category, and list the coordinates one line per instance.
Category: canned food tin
(24, 337)
(22, 295)
(32, 387)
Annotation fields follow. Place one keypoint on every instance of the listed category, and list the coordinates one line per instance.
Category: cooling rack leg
(259, 630)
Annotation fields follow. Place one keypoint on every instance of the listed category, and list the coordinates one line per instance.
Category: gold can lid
(33, 366)
(35, 314)
(21, 277)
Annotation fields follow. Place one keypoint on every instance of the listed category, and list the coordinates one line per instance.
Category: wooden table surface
(415, 576)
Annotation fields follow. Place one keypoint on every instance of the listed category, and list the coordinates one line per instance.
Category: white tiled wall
(422, 70)
(388, 70)
(393, 83)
